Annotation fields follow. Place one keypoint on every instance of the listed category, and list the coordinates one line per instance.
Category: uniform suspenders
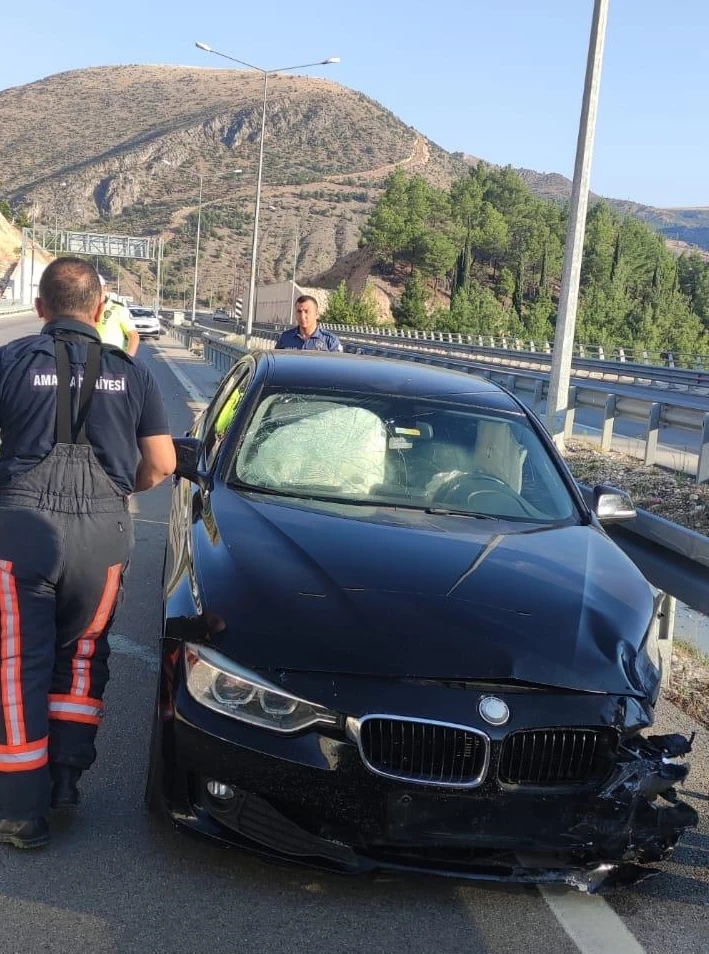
(66, 432)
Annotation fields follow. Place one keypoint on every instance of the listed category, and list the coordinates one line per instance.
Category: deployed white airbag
(342, 450)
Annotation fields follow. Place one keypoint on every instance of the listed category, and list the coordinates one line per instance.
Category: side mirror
(611, 505)
(187, 450)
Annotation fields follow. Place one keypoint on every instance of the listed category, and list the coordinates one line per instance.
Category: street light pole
(196, 254)
(254, 241)
(560, 372)
(295, 265)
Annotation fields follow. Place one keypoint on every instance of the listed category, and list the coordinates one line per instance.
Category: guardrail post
(569, 414)
(670, 360)
(582, 350)
(504, 341)
(608, 422)
(601, 353)
(537, 396)
(665, 635)
(547, 348)
(703, 462)
(532, 348)
(621, 354)
(653, 428)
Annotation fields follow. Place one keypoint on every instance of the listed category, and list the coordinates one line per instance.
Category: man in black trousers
(83, 426)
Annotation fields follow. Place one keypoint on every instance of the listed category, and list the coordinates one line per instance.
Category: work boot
(65, 794)
(29, 833)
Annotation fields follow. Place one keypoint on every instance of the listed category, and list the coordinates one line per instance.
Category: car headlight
(220, 684)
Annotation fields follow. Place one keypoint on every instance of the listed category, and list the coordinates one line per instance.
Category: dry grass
(669, 494)
(675, 497)
(689, 681)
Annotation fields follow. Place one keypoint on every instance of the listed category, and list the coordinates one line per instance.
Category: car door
(188, 501)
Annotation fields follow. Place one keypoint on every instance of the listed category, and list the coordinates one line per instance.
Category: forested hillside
(485, 257)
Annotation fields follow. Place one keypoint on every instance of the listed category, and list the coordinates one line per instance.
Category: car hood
(408, 594)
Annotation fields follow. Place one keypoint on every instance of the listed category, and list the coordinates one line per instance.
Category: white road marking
(191, 388)
(590, 922)
(128, 647)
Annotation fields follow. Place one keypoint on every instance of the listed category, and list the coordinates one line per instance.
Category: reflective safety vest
(115, 323)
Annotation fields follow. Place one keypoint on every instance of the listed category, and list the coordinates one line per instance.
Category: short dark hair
(301, 299)
(70, 287)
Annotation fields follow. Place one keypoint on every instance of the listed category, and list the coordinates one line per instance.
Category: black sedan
(395, 636)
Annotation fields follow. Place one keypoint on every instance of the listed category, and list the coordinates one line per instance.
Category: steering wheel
(461, 490)
(468, 485)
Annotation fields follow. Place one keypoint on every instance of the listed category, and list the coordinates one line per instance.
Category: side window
(221, 411)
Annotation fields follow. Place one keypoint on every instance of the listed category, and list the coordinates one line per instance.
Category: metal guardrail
(621, 371)
(13, 308)
(596, 352)
(674, 558)
(653, 414)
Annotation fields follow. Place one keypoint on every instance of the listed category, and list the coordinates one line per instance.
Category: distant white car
(146, 322)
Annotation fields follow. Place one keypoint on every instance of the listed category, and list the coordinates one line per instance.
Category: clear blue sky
(500, 79)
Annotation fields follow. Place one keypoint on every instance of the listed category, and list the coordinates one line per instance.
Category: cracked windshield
(402, 452)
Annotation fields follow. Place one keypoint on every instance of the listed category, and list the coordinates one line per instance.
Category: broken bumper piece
(593, 840)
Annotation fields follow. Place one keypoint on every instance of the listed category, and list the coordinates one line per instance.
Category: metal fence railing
(653, 414)
(644, 356)
(661, 376)
(13, 308)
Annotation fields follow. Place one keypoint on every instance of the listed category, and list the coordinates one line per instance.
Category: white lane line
(193, 391)
(590, 922)
(126, 646)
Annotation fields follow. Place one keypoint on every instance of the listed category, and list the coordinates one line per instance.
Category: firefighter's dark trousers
(60, 578)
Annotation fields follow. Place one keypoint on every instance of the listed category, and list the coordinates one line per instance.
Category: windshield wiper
(448, 512)
(303, 495)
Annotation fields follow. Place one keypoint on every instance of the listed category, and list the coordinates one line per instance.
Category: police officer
(308, 336)
(116, 325)
(83, 426)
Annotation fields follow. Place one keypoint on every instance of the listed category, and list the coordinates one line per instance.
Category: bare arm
(132, 343)
(158, 461)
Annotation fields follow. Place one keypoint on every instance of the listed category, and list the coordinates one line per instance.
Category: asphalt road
(117, 881)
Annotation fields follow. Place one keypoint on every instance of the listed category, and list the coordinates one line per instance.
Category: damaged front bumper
(351, 821)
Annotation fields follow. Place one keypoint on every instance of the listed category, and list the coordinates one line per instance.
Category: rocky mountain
(688, 227)
(122, 149)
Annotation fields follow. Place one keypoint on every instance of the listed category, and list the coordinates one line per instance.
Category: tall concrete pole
(560, 375)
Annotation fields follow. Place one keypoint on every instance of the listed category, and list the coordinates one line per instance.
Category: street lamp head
(331, 59)
(203, 46)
